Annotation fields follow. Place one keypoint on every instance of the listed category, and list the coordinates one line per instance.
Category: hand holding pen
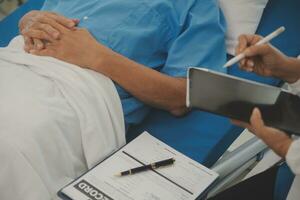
(259, 42)
(266, 60)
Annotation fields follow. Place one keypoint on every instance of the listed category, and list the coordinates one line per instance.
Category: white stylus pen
(263, 41)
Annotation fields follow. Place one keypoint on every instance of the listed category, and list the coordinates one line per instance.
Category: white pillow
(242, 17)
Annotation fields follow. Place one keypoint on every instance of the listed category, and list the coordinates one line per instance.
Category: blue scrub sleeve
(201, 43)
(50, 4)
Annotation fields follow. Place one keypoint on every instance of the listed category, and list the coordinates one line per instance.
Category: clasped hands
(49, 34)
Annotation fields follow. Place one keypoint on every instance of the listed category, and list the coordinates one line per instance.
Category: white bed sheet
(56, 121)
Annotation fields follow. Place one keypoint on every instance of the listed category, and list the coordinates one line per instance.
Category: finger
(244, 61)
(43, 52)
(242, 44)
(49, 30)
(28, 43)
(69, 23)
(259, 50)
(245, 66)
(246, 41)
(256, 121)
(76, 21)
(249, 65)
(33, 33)
(38, 44)
(256, 39)
(54, 24)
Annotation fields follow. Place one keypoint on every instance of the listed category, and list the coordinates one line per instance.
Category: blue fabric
(166, 35)
(9, 25)
(284, 181)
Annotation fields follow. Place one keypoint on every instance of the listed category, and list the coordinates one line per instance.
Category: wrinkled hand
(77, 47)
(277, 140)
(264, 59)
(39, 27)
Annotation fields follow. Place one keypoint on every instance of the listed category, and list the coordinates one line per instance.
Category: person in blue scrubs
(144, 46)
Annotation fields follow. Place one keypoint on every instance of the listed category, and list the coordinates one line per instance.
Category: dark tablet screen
(236, 98)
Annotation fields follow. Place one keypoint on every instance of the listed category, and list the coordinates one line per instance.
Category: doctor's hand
(77, 47)
(39, 27)
(265, 59)
(277, 140)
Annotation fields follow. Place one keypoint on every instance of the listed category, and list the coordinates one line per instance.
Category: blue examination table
(200, 135)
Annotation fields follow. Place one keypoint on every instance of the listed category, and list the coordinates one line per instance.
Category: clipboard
(165, 176)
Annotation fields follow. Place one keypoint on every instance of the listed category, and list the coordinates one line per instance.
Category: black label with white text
(90, 191)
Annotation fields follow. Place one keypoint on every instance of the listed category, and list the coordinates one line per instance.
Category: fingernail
(32, 51)
(76, 21)
(256, 111)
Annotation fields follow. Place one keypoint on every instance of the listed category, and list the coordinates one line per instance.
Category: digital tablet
(236, 98)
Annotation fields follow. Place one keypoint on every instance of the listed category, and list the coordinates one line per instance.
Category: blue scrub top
(166, 35)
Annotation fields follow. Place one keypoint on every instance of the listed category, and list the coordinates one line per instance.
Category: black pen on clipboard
(152, 166)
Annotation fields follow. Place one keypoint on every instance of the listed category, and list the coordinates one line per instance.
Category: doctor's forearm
(147, 85)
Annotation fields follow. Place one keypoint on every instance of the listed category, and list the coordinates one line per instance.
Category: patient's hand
(80, 48)
(39, 27)
(76, 47)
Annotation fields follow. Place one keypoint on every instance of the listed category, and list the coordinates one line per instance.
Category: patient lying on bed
(64, 103)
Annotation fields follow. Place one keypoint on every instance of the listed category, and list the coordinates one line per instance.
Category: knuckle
(38, 17)
(26, 32)
(47, 28)
(23, 31)
(48, 21)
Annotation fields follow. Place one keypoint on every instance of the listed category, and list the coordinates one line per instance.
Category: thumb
(257, 50)
(256, 119)
(43, 52)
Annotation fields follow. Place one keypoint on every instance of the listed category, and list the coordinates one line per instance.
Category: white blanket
(56, 121)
